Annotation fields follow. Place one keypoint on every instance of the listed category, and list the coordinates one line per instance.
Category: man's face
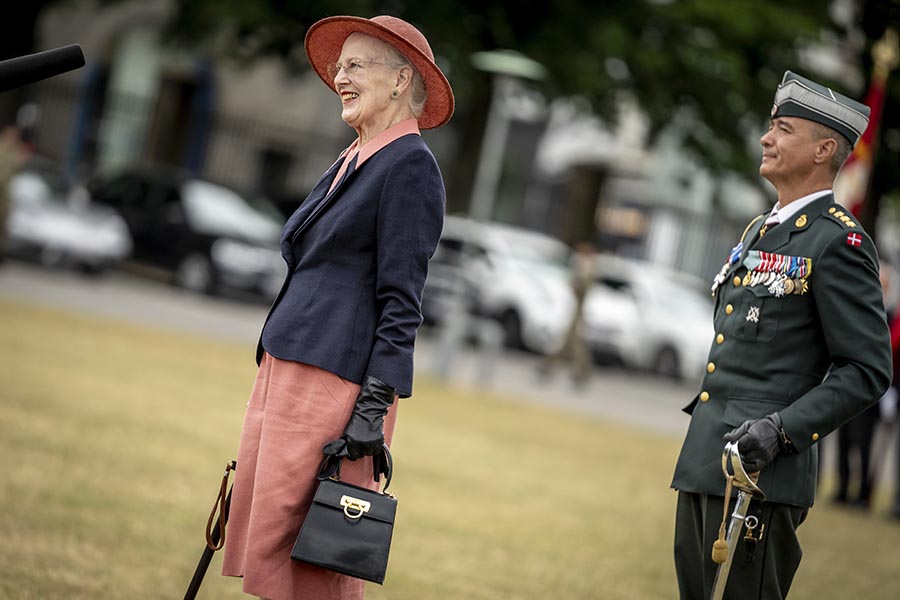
(789, 149)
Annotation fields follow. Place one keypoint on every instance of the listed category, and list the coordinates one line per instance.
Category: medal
(788, 286)
(719, 279)
(752, 261)
(754, 278)
(735, 253)
(777, 288)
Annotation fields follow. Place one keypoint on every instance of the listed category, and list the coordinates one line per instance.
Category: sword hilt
(745, 482)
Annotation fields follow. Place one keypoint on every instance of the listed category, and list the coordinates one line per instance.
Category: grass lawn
(115, 437)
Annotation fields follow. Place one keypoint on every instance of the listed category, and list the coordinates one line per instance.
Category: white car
(58, 225)
(649, 318)
(515, 275)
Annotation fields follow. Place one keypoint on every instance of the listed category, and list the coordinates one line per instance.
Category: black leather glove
(759, 442)
(364, 433)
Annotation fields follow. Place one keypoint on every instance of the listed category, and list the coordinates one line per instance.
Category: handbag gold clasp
(354, 508)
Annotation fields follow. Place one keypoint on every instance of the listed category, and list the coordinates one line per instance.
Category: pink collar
(392, 133)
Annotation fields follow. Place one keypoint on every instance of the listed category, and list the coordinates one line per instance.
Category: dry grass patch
(115, 436)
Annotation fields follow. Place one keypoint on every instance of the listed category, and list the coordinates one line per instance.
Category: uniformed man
(801, 346)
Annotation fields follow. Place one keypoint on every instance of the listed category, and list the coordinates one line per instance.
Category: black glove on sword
(760, 441)
(364, 433)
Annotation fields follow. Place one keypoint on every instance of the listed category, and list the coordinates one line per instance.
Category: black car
(206, 236)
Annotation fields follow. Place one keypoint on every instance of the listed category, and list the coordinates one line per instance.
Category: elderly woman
(336, 349)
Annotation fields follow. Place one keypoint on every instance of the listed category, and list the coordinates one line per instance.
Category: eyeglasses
(351, 66)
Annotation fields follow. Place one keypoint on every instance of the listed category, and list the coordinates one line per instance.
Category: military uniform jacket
(800, 330)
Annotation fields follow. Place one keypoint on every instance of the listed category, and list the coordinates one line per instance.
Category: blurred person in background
(336, 349)
(797, 296)
(13, 153)
(574, 348)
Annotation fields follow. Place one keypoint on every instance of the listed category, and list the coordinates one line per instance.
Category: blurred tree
(709, 65)
(18, 30)
(717, 60)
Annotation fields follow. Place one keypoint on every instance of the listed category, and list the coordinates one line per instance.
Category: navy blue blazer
(357, 259)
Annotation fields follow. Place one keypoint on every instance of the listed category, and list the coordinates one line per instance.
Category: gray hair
(841, 151)
(418, 94)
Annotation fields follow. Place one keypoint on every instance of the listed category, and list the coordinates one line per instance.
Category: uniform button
(710, 367)
(815, 436)
(704, 396)
(720, 338)
(736, 281)
(729, 309)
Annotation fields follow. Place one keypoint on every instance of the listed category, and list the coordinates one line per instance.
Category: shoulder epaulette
(839, 214)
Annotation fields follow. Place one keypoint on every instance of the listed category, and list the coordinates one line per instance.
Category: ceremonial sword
(724, 547)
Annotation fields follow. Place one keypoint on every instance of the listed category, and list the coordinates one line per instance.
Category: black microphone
(23, 70)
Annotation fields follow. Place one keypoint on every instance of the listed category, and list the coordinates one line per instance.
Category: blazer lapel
(327, 201)
(307, 206)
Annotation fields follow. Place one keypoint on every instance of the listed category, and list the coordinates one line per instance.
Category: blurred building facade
(141, 101)
(258, 130)
(584, 179)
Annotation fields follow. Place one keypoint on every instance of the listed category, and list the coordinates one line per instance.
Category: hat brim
(326, 38)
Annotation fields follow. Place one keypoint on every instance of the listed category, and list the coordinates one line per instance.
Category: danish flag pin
(854, 239)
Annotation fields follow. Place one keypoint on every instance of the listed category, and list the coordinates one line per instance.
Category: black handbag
(348, 528)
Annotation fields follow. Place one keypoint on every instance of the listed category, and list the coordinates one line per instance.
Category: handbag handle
(331, 467)
(221, 503)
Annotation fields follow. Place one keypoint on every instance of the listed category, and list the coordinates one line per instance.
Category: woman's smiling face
(363, 79)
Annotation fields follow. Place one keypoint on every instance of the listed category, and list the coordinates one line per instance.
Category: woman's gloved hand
(364, 433)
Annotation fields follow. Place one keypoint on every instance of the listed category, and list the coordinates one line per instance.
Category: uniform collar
(792, 208)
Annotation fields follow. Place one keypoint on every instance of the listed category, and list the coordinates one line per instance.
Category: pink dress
(294, 410)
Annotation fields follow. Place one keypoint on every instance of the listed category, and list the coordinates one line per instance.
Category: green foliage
(716, 61)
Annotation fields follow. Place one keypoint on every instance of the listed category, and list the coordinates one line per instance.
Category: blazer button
(704, 396)
(720, 338)
(736, 281)
(710, 367)
(815, 436)
(729, 309)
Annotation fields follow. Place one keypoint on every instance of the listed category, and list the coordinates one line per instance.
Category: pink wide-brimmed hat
(325, 39)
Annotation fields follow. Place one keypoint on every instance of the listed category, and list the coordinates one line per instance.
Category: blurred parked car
(514, 275)
(58, 225)
(208, 237)
(649, 318)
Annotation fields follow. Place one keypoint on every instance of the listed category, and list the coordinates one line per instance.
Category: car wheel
(52, 257)
(667, 364)
(93, 269)
(195, 273)
(512, 328)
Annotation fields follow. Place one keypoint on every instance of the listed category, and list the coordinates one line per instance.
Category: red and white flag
(852, 184)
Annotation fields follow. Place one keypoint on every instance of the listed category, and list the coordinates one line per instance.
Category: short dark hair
(841, 151)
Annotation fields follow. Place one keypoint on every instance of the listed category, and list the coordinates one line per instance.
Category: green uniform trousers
(764, 574)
